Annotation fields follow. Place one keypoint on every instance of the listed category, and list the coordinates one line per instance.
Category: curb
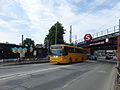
(23, 62)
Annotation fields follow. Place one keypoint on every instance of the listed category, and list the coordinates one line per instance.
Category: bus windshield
(57, 52)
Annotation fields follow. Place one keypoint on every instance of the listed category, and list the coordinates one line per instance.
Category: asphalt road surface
(87, 75)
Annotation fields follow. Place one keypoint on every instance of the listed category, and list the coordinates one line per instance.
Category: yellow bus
(61, 53)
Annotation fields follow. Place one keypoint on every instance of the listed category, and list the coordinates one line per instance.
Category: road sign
(87, 37)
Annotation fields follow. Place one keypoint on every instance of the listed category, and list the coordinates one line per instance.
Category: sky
(33, 18)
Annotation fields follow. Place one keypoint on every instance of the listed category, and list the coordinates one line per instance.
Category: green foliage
(50, 38)
(28, 42)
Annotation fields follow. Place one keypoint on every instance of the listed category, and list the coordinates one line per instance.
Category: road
(89, 75)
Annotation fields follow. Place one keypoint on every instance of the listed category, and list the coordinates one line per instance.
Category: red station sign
(87, 37)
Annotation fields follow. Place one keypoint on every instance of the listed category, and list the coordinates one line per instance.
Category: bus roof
(67, 46)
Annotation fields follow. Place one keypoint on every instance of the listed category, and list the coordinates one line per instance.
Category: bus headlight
(55, 56)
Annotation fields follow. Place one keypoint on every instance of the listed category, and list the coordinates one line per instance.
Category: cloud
(10, 37)
(33, 18)
(9, 31)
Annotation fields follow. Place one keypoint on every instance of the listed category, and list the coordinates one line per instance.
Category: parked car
(109, 57)
(92, 57)
(114, 57)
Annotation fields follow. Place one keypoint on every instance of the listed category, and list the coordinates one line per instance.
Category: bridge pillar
(118, 48)
(91, 51)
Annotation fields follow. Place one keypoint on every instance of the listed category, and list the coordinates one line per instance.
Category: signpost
(88, 38)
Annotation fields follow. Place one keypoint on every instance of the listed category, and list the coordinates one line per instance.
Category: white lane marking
(102, 71)
(30, 72)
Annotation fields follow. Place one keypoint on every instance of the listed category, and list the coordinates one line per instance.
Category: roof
(66, 45)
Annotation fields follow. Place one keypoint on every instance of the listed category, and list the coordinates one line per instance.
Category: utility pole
(56, 33)
(70, 34)
(22, 39)
(76, 40)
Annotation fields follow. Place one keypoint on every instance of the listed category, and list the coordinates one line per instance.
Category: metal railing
(108, 31)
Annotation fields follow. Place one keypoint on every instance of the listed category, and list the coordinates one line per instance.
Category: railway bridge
(108, 39)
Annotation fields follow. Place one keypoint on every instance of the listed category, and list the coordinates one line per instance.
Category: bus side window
(80, 51)
(65, 50)
(69, 49)
(76, 50)
(72, 50)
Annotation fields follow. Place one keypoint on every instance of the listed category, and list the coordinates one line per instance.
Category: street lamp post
(56, 34)
(22, 39)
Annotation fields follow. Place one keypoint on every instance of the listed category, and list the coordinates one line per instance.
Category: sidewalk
(8, 62)
(117, 80)
(108, 61)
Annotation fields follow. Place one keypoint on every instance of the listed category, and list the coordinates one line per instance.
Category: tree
(28, 42)
(50, 38)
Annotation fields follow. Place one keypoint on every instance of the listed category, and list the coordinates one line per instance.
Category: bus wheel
(82, 60)
(70, 60)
